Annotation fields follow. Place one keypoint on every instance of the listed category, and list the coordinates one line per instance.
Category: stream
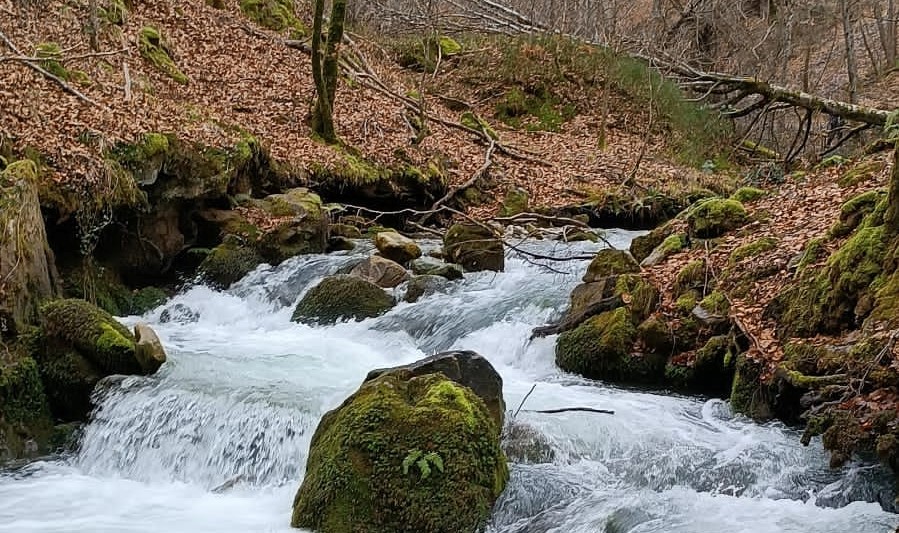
(217, 440)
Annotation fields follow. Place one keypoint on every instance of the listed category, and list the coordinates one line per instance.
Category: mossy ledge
(154, 48)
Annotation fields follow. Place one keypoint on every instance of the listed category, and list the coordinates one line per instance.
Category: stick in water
(534, 386)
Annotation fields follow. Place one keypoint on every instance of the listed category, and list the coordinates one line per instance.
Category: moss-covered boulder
(752, 249)
(227, 263)
(403, 455)
(380, 271)
(747, 194)
(643, 245)
(600, 348)
(474, 247)
(515, 202)
(345, 230)
(25, 422)
(77, 345)
(524, 443)
(430, 266)
(610, 262)
(342, 297)
(155, 49)
(396, 247)
(302, 226)
(671, 245)
(275, 15)
(749, 394)
(709, 371)
(714, 217)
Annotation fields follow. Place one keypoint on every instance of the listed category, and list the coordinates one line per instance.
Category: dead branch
(570, 409)
(34, 66)
(534, 217)
(478, 174)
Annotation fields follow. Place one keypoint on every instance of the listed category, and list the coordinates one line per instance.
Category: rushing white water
(244, 388)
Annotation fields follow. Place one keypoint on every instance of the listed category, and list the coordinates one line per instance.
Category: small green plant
(423, 461)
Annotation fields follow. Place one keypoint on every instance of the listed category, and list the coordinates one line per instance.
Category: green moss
(342, 297)
(227, 263)
(714, 217)
(154, 49)
(477, 123)
(643, 245)
(693, 276)
(751, 249)
(716, 303)
(811, 254)
(50, 55)
(854, 210)
(94, 333)
(655, 335)
(515, 202)
(114, 12)
(826, 301)
(610, 262)
(22, 399)
(747, 194)
(749, 395)
(686, 302)
(860, 173)
(275, 15)
(639, 294)
(423, 54)
(355, 480)
(147, 299)
(535, 110)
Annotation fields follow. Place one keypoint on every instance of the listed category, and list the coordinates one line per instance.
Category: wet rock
(396, 247)
(179, 313)
(340, 244)
(421, 286)
(228, 263)
(429, 266)
(524, 443)
(345, 230)
(474, 247)
(342, 297)
(380, 271)
(610, 262)
(515, 202)
(303, 228)
(411, 450)
(148, 350)
(464, 367)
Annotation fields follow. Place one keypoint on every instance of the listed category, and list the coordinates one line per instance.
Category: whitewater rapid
(217, 439)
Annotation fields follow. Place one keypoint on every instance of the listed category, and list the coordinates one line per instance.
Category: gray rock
(429, 266)
(421, 286)
(380, 271)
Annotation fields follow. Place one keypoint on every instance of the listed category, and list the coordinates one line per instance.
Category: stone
(610, 262)
(228, 263)
(396, 247)
(714, 217)
(346, 231)
(380, 271)
(340, 244)
(523, 443)
(474, 247)
(303, 226)
(342, 297)
(421, 286)
(429, 266)
(148, 350)
(515, 202)
(464, 367)
(408, 452)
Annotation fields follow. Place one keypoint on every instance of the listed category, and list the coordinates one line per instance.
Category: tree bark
(891, 218)
(325, 66)
(849, 39)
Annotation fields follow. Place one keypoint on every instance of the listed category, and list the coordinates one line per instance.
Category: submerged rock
(421, 286)
(380, 271)
(524, 443)
(474, 247)
(397, 247)
(430, 266)
(342, 297)
(411, 451)
(228, 263)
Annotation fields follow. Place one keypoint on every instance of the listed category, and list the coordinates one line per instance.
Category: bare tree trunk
(325, 67)
(94, 22)
(849, 39)
(886, 29)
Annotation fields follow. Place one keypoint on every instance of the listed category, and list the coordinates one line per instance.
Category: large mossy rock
(24, 415)
(380, 271)
(465, 368)
(610, 262)
(77, 345)
(302, 227)
(396, 247)
(26, 262)
(714, 217)
(342, 297)
(600, 348)
(228, 263)
(405, 453)
(474, 247)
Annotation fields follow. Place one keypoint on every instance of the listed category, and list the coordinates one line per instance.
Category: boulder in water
(342, 297)
(77, 345)
(148, 350)
(430, 266)
(380, 271)
(421, 286)
(474, 247)
(302, 227)
(24, 416)
(396, 247)
(227, 263)
(524, 443)
(410, 451)
(610, 262)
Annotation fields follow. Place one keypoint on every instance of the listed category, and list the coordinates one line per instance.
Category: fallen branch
(479, 173)
(59, 81)
(570, 409)
(532, 217)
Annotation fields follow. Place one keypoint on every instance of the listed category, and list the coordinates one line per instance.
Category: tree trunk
(891, 219)
(849, 39)
(322, 114)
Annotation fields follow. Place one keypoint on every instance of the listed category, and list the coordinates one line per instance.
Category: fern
(424, 468)
(435, 459)
(423, 462)
(410, 459)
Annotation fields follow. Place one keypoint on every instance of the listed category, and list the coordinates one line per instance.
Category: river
(244, 387)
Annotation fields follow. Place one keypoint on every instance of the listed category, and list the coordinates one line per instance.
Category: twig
(479, 173)
(65, 86)
(534, 386)
(568, 409)
(127, 74)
